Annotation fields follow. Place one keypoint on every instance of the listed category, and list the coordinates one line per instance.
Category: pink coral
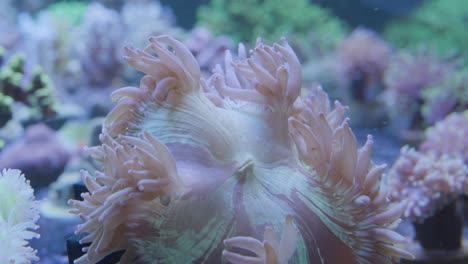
(409, 74)
(449, 136)
(188, 163)
(363, 52)
(425, 182)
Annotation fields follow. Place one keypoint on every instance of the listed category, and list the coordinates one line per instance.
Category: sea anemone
(426, 182)
(448, 136)
(18, 215)
(188, 163)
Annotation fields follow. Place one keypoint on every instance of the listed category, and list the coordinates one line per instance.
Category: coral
(426, 182)
(40, 155)
(410, 73)
(47, 41)
(450, 95)
(18, 215)
(28, 87)
(448, 137)
(406, 79)
(312, 27)
(437, 24)
(41, 40)
(187, 163)
(99, 47)
(363, 52)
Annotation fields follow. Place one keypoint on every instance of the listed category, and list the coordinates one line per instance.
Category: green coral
(437, 24)
(33, 90)
(244, 20)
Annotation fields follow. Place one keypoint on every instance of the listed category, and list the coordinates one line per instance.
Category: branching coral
(18, 215)
(189, 162)
(28, 87)
(426, 182)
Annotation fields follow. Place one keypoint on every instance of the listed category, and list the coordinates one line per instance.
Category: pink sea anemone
(188, 163)
(426, 182)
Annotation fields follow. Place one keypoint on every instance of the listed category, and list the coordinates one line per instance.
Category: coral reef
(426, 182)
(40, 155)
(187, 163)
(18, 215)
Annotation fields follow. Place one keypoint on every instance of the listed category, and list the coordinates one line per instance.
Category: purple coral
(39, 155)
(409, 74)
